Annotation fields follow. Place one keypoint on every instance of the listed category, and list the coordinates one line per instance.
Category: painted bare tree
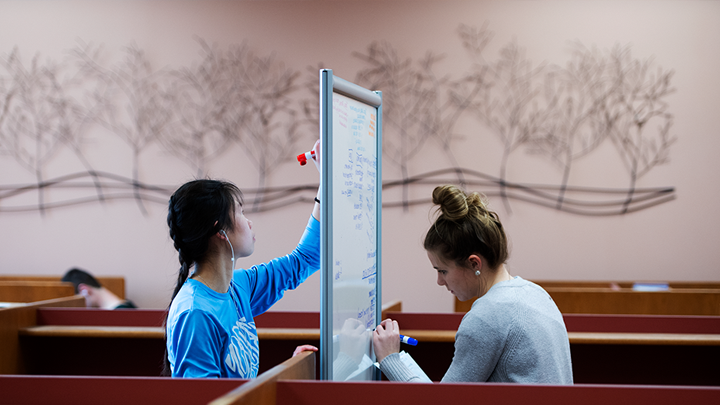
(574, 96)
(509, 105)
(311, 104)
(208, 110)
(416, 105)
(270, 130)
(29, 118)
(636, 115)
(139, 107)
(448, 100)
(39, 116)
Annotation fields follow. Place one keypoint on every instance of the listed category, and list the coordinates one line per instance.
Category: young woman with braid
(514, 332)
(210, 328)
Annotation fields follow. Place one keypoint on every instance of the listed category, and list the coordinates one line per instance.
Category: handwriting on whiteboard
(354, 202)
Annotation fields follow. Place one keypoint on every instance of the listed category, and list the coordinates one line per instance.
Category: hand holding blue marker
(408, 340)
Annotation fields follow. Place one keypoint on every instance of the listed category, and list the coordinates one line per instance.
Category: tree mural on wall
(237, 96)
(270, 130)
(208, 110)
(636, 115)
(418, 105)
(574, 97)
(509, 105)
(38, 117)
(138, 104)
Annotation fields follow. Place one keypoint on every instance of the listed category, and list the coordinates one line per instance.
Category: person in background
(514, 332)
(96, 296)
(210, 328)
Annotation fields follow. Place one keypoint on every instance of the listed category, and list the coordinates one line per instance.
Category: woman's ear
(475, 262)
(84, 289)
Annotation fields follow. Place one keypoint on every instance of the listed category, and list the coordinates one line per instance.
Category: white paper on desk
(410, 363)
(365, 364)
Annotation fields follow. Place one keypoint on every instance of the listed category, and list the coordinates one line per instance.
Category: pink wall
(675, 240)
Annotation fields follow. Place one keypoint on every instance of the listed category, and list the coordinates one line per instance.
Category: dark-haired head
(465, 226)
(79, 276)
(198, 210)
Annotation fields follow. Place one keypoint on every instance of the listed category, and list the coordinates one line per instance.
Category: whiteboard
(350, 125)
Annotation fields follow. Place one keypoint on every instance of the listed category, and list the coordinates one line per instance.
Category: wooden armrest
(262, 390)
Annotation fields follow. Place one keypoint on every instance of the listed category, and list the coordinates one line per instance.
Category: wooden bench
(51, 343)
(263, 389)
(113, 283)
(33, 291)
(92, 390)
(363, 393)
(702, 285)
(605, 348)
(24, 389)
(12, 319)
(620, 298)
(608, 349)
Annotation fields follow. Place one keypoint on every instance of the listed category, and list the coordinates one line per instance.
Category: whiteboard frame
(330, 84)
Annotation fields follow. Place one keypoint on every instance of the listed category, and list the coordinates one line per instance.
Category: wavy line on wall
(115, 187)
(234, 96)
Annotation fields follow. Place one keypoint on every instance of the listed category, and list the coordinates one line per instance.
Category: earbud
(232, 258)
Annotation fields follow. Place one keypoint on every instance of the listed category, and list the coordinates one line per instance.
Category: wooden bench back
(594, 300)
(262, 390)
(13, 319)
(112, 283)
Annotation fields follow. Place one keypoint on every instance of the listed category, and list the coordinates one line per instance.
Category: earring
(477, 272)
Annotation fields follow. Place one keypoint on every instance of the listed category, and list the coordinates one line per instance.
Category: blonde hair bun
(454, 204)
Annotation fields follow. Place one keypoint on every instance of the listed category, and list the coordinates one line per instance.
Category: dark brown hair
(196, 211)
(465, 226)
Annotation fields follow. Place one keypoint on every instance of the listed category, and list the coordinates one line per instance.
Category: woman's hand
(386, 339)
(354, 339)
(304, 348)
(316, 148)
(318, 162)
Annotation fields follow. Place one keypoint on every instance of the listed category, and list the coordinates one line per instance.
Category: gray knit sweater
(514, 333)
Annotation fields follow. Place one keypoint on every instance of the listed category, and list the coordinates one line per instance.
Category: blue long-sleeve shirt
(211, 334)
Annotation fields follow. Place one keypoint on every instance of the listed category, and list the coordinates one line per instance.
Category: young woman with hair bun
(514, 332)
(210, 328)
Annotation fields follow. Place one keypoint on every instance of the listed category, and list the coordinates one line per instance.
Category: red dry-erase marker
(303, 157)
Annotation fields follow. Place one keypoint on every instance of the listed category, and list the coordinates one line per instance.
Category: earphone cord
(232, 251)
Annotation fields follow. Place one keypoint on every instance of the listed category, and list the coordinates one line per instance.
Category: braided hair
(196, 211)
(465, 226)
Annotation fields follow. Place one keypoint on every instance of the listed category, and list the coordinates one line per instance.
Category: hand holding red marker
(304, 157)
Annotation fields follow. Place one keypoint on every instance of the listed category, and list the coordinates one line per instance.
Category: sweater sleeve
(395, 370)
(266, 283)
(478, 347)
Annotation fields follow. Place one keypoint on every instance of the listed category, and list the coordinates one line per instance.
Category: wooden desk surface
(152, 332)
(436, 336)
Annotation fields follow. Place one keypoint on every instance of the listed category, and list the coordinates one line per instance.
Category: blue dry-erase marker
(408, 340)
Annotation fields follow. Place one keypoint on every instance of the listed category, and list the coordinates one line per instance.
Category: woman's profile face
(242, 237)
(460, 281)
